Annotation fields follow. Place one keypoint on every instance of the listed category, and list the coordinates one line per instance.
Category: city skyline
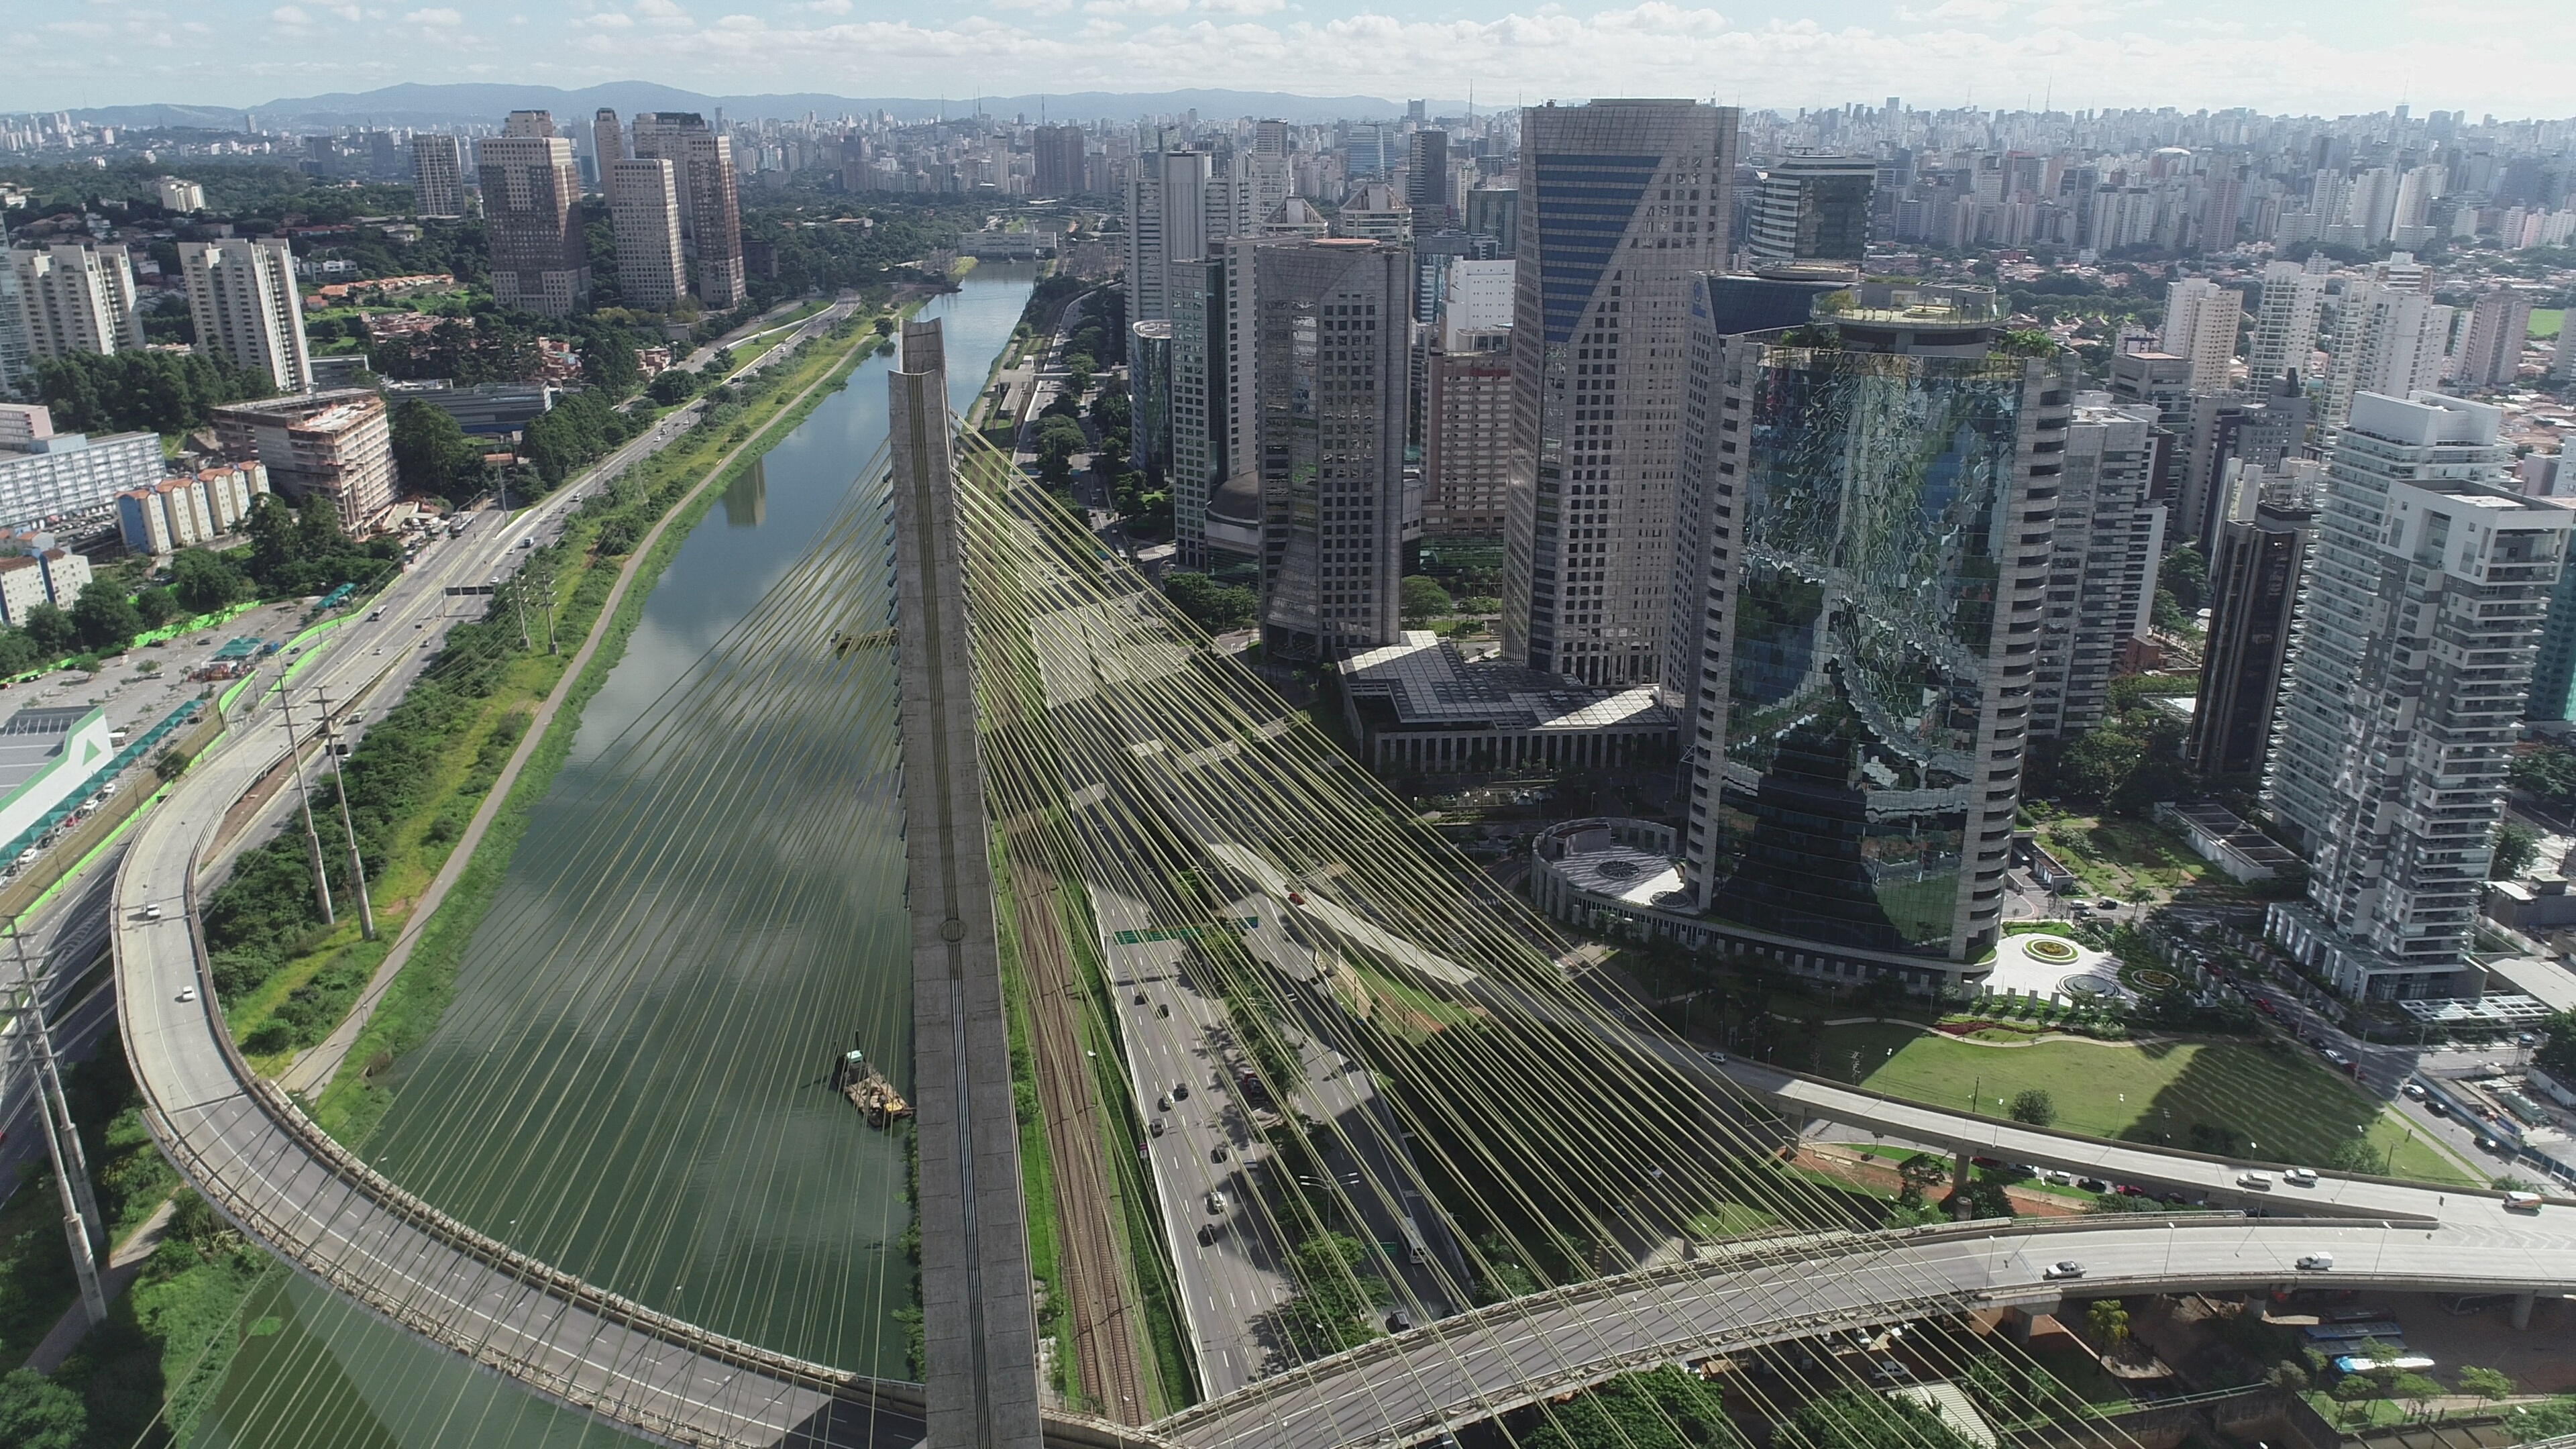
(1999, 53)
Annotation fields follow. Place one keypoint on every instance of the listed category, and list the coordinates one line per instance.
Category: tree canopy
(1858, 1419)
(141, 392)
(432, 455)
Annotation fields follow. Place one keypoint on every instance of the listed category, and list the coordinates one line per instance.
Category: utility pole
(519, 600)
(357, 865)
(62, 1144)
(312, 837)
(550, 615)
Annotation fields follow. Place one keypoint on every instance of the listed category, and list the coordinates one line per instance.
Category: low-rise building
(47, 756)
(489, 409)
(45, 475)
(1420, 705)
(22, 587)
(332, 445)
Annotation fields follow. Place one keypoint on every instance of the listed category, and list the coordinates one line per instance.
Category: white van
(2522, 1202)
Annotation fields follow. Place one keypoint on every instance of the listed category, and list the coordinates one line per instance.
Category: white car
(2414, 1091)
(2068, 1269)
(2300, 1177)
(1216, 1201)
(152, 912)
(2316, 1263)
(2259, 1181)
(1715, 1058)
(187, 993)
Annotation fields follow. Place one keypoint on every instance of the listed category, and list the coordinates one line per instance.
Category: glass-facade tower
(1877, 492)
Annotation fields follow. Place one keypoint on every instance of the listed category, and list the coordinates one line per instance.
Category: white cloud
(440, 15)
(1242, 7)
(823, 7)
(1957, 10)
(290, 15)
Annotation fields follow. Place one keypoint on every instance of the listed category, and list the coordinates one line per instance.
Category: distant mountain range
(440, 105)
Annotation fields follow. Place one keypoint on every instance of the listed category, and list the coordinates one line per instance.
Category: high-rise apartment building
(437, 176)
(1058, 154)
(1873, 559)
(1813, 208)
(2499, 325)
(2408, 672)
(74, 298)
(2388, 338)
(243, 297)
(181, 196)
(328, 446)
(1621, 203)
(2200, 328)
(2285, 323)
(529, 188)
(1167, 223)
(702, 168)
(2102, 566)
(2255, 577)
(644, 213)
(1467, 405)
(1331, 320)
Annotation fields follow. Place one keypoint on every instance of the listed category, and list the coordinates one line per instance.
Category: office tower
(2159, 379)
(248, 309)
(2285, 324)
(1375, 212)
(1263, 184)
(2219, 429)
(1494, 210)
(529, 187)
(2387, 338)
(644, 212)
(2255, 578)
(1426, 179)
(1328, 348)
(1870, 612)
(1813, 208)
(1294, 219)
(1467, 405)
(608, 147)
(2220, 207)
(1058, 153)
(178, 195)
(1270, 138)
(437, 176)
(330, 446)
(1149, 397)
(702, 170)
(73, 298)
(2499, 324)
(2409, 669)
(1622, 201)
(2200, 328)
(1201, 356)
(1167, 223)
(2102, 565)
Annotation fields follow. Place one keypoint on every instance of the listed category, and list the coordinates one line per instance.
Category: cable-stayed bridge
(1380, 1057)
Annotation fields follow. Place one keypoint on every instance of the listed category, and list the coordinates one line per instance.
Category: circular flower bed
(2149, 978)
(2088, 986)
(1617, 870)
(2049, 949)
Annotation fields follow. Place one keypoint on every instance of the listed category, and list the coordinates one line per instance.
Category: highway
(1440, 1377)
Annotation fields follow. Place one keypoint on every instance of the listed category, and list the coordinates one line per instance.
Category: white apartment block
(73, 298)
(46, 475)
(2200, 328)
(438, 176)
(2427, 588)
(2285, 324)
(248, 308)
(178, 195)
(644, 210)
(2388, 338)
(22, 587)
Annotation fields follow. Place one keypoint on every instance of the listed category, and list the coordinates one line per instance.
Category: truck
(1413, 1240)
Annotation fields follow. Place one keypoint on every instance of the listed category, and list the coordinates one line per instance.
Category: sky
(2506, 57)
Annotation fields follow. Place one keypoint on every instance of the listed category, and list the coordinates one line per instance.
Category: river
(630, 1083)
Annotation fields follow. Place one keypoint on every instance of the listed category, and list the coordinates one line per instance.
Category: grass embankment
(1037, 1163)
(2276, 1103)
(172, 1337)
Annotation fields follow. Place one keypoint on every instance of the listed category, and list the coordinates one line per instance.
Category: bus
(1413, 1240)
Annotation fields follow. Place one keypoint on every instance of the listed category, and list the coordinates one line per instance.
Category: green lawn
(2128, 859)
(2544, 321)
(2292, 1108)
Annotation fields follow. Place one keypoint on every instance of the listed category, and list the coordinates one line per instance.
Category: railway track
(1089, 1261)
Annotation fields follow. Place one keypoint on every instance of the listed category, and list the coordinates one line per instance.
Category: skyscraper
(702, 171)
(1167, 222)
(2254, 590)
(2389, 338)
(644, 212)
(2407, 679)
(1331, 320)
(1467, 406)
(1813, 208)
(1059, 160)
(608, 146)
(529, 187)
(73, 298)
(1870, 608)
(1201, 358)
(2499, 324)
(2200, 328)
(1426, 179)
(1621, 202)
(2285, 324)
(243, 298)
(437, 176)
(2102, 568)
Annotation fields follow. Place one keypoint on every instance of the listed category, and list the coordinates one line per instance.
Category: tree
(1855, 1418)
(2107, 1319)
(37, 1413)
(1210, 605)
(1662, 1408)
(2035, 1107)
(154, 606)
(2515, 845)
(672, 386)
(432, 455)
(51, 631)
(2098, 763)
(2185, 574)
(2356, 1155)
(2287, 1375)
(103, 618)
(202, 581)
(1424, 599)
(1337, 1298)
(2417, 1390)
(2486, 1383)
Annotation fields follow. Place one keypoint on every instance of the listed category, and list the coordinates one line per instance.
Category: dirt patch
(1879, 1175)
